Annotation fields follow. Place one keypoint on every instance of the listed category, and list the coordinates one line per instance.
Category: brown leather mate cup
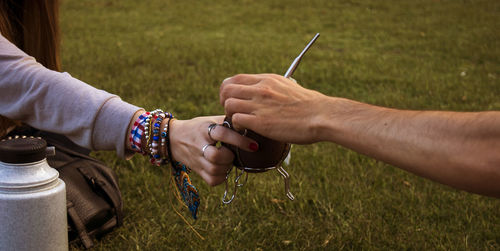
(270, 154)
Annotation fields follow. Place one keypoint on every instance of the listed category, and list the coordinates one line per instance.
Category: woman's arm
(95, 119)
(455, 148)
(56, 102)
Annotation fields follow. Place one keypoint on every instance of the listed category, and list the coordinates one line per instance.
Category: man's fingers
(244, 121)
(233, 105)
(243, 79)
(232, 89)
(221, 133)
(235, 91)
(241, 86)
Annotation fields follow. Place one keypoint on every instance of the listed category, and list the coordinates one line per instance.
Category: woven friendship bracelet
(188, 192)
(137, 133)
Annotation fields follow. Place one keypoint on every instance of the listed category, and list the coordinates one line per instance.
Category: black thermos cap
(22, 150)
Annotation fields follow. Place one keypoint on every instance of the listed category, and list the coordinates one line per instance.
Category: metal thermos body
(32, 198)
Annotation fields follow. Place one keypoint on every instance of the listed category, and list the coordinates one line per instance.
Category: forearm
(457, 149)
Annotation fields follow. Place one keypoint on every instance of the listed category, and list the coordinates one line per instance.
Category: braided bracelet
(188, 191)
(137, 132)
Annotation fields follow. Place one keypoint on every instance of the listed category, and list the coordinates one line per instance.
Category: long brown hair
(33, 26)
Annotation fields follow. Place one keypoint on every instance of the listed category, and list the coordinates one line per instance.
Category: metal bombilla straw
(296, 62)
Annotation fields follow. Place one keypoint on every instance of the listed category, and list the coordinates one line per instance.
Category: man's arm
(454, 148)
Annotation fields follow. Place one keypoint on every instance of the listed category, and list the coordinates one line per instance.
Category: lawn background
(421, 54)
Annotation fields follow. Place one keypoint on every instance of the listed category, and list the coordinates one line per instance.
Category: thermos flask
(32, 198)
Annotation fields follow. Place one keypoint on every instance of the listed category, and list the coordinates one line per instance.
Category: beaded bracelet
(148, 127)
(156, 151)
(153, 143)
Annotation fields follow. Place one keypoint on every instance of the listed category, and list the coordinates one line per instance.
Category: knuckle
(230, 105)
(238, 77)
(236, 119)
(273, 81)
(265, 92)
(230, 102)
(224, 89)
(271, 76)
(238, 122)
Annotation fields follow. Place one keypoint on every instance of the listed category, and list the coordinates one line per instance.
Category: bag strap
(80, 227)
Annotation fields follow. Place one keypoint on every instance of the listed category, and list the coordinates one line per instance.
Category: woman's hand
(273, 106)
(189, 137)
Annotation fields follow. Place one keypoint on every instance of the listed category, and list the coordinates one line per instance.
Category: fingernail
(253, 146)
(226, 79)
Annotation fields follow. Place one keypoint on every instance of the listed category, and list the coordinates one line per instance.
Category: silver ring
(204, 149)
(226, 123)
(210, 128)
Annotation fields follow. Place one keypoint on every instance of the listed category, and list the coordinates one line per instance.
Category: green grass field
(420, 54)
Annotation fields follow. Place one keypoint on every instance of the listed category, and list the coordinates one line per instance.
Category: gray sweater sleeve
(56, 102)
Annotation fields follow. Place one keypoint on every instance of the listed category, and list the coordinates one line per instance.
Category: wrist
(320, 123)
(330, 116)
(174, 138)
